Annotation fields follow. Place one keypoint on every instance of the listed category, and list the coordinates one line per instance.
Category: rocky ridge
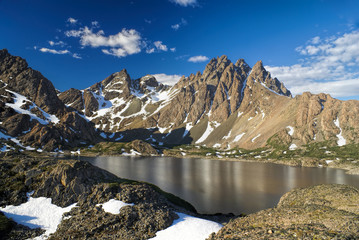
(318, 212)
(70, 181)
(228, 105)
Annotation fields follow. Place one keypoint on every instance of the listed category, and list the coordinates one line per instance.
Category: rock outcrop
(69, 181)
(319, 212)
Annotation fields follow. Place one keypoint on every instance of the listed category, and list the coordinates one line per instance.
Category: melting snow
(114, 206)
(19, 100)
(238, 137)
(132, 153)
(291, 130)
(253, 139)
(208, 131)
(217, 145)
(228, 135)
(188, 228)
(239, 114)
(341, 140)
(37, 212)
(293, 146)
(188, 128)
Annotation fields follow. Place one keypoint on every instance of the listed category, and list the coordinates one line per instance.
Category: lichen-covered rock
(143, 147)
(319, 212)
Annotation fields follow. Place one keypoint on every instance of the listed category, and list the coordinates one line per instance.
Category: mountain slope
(228, 105)
(31, 114)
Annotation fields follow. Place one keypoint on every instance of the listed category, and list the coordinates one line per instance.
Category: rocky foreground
(320, 212)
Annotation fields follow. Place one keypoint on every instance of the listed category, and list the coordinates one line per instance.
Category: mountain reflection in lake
(213, 186)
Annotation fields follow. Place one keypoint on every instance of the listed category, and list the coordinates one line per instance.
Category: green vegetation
(108, 148)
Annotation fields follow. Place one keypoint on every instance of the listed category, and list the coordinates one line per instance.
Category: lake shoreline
(349, 168)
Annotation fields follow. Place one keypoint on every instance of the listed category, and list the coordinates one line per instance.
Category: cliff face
(31, 113)
(227, 105)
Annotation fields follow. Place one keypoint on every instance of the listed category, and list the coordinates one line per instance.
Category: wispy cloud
(95, 24)
(185, 3)
(196, 59)
(180, 24)
(58, 52)
(167, 79)
(72, 20)
(126, 42)
(160, 46)
(58, 43)
(329, 65)
(53, 51)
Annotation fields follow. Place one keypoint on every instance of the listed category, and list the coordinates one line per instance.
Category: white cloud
(53, 51)
(148, 21)
(126, 42)
(160, 46)
(151, 50)
(59, 43)
(197, 59)
(175, 26)
(72, 20)
(76, 55)
(185, 3)
(315, 40)
(167, 79)
(180, 24)
(330, 65)
(59, 52)
(173, 49)
(95, 24)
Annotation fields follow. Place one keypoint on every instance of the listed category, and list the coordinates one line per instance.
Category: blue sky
(310, 45)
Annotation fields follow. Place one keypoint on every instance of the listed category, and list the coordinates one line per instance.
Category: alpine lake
(216, 186)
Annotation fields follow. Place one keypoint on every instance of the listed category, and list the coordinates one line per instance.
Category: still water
(214, 186)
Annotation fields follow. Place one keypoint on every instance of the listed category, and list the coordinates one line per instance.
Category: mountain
(228, 105)
(31, 114)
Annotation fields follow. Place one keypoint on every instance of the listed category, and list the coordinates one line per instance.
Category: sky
(310, 45)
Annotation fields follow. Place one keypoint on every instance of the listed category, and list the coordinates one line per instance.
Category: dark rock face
(319, 212)
(17, 124)
(15, 72)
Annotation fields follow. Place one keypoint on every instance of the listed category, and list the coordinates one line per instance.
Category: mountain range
(228, 105)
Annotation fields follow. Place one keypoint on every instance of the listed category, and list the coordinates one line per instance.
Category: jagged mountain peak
(260, 75)
(116, 77)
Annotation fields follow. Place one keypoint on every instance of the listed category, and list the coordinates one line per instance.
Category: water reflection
(220, 186)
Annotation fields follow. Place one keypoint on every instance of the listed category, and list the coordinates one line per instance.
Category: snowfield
(341, 140)
(37, 213)
(188, 228)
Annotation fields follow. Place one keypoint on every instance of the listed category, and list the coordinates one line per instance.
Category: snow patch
(37, 212)
(19, 100)
(228, 135)
(114, 206)
(341, 140)
(253, 139)
(238, 137)
(293, 146)
(188, 228)
(291, 130)
(217, 145)
(205, 135)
